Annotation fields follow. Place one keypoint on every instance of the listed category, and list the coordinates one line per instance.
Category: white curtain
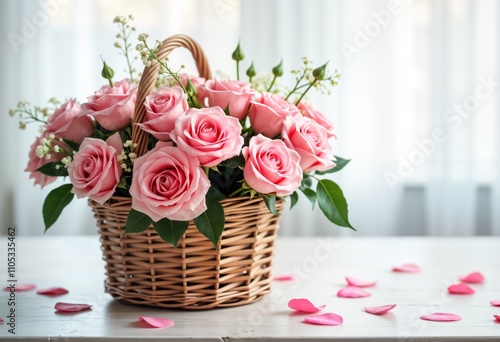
(416, 109)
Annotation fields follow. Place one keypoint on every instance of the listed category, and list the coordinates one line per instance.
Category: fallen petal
(353, 292)
(351, 281)
(1, 320)
(463, 289)
(473, 278)
(497, 318)
(407, 268)
(283, 277)
(379, 310)
(441, 317)
(157, 322)
(20, 287)
(71, 307)
(52, 291)
(325, 319)
(495, 302)
(304, 305)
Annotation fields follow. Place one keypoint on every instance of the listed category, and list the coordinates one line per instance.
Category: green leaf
(332, 202)
(340, 163)
(215, 193)
(50, 169)
(211, 222)
(294, 198)
(311, 195)
(171, 231)
(270, 201)
(137, 222)
(73, 145)
(54, 204)
(306, 182)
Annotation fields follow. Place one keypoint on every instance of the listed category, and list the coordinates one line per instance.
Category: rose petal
(495, 302)
(353, 292)
(473, 278)
(20, 287)
(407, 268)
(351, 281)
(71, 307)
(325, 319)
(1, 320)
(284, 277)
(52, 291)
(157, 322)
(441, 317)
(379, 310)
(304, 305)
(497, 318)
(460, 289)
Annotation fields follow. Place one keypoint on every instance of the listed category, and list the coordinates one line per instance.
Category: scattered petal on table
(407, 268)
(21, 287)
(473, 278)
(1, 320)
(304, 305)
(71, 307)
(284, 277)
(379, 310)
(462, 289)
(495, 302)
(52, 291)
(497, 318)
(353, 292)
(441, 317)
(325, 319)
(157, 322)
(352, 281)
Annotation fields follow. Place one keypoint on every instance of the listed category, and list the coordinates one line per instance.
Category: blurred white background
(417, 108)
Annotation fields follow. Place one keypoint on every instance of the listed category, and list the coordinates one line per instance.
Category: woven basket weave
(143, 269)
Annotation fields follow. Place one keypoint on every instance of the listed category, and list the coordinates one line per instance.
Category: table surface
(319, 265)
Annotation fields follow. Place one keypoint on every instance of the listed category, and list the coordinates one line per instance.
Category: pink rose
(112, 107)
(271, 167)
(163, 107)
(310, 140)
(67, 123)
(35, 162)
(208, 134)
(95, 171)
(268, 112)
(169, 183)
(307, 110)
(236, 94)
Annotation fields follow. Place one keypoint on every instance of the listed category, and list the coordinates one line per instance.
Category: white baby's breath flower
(142, 37)
(40, 151)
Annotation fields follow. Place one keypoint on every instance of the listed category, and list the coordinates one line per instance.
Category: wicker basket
(143, 269)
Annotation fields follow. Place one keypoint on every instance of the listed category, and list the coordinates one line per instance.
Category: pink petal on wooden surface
(497, 318)
(284, 277)
(379, 310)
(304, 305)
(71, 307)
(157, 322)
(352, 281)
(462, 289)
(20, 287)
(495, 302)
(407, 268)
(52, 291)
(325, 319)
(441, 317)
(473, 278)
(353, 292)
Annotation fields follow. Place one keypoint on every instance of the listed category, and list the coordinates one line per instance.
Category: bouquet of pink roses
(208, 139)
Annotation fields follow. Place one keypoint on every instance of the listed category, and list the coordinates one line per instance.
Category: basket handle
(148, 82)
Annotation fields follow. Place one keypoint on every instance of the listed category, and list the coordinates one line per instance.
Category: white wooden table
(319, 264)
